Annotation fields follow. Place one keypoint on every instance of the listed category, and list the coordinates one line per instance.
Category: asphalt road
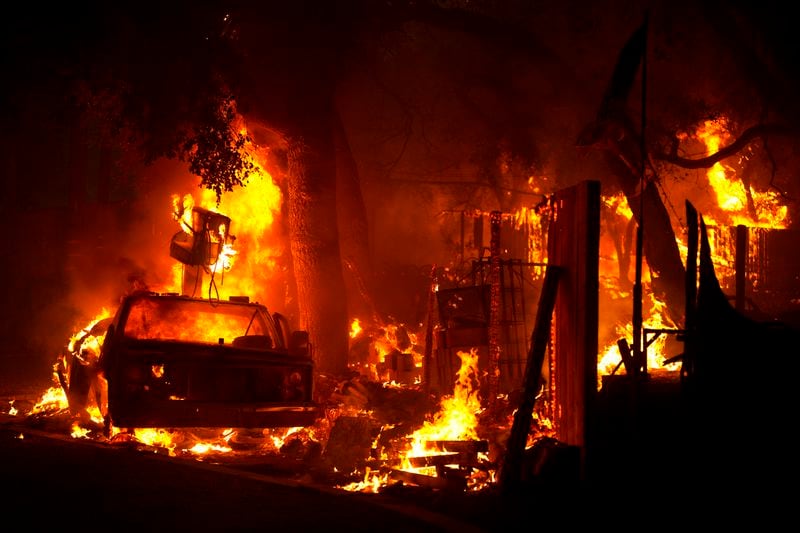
(51, 482)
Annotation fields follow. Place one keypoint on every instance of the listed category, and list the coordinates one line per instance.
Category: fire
(53, 399)
(355, 328)
(88, 341)
(253, 211)
(155, 437)
(457, 418)
(532, 221)
(738, 204)
(616, 272)
(609, 358)
(387, 352)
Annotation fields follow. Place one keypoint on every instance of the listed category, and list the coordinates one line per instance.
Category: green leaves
(215, 150)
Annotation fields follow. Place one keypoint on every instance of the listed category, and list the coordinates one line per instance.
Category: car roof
(232, 300)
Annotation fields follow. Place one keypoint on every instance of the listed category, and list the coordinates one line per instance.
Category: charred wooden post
(428, 356)
(627, 357)
(470, 446)
(454, 483)
(574, 245)
(495, 309)
(510, 471)
(689, 352)
(741, 266)
(450, 458)
(639, 356)
(639, 352)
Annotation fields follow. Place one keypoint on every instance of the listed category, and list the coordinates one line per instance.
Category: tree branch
(750, 134)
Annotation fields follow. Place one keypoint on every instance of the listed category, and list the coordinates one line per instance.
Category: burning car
(168, 360)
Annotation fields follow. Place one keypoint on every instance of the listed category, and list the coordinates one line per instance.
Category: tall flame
(457, 418)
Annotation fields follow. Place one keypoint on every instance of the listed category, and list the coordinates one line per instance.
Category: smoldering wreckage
(504, 393)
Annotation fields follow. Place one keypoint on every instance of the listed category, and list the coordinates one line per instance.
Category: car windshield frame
(193, 320)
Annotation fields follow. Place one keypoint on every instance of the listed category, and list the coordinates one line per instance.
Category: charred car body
(168, 360)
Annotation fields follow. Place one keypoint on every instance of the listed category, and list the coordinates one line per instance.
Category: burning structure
(498, 369)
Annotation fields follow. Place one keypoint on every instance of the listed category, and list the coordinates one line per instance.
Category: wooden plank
(447, 482)
(510, 471)
(573, 245)
(472, 446)
(455, 458)
(692, 236)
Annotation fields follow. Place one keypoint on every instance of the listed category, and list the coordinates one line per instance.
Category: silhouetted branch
(750, 134)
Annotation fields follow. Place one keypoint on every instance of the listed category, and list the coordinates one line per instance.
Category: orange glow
(253, 210)
(456, 420)
(355, 328)
(731, 194)
(617, 217)
(531, 222)
(251, 263)
(385, 342)
(53, 399)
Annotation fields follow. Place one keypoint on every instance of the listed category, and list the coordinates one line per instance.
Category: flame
(90, 343)
(372, 482)
(457, 418)
(53, 399)
(253, 211)
(355, 328)
(258, 242)
(532, 222)
(386, 341)
(254, 236)
(731, 195)
(609, 359)
(616, 284)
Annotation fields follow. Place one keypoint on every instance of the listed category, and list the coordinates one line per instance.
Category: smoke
(127, 245)
(80, 262)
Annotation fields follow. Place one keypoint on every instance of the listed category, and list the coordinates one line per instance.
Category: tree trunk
(314, 243)
(623, 154)
(353, 231)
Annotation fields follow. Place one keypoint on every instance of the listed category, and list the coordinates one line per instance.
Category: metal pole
(639, 354)
(741, 266)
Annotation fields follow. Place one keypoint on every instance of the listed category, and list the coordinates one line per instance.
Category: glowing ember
(53, 399)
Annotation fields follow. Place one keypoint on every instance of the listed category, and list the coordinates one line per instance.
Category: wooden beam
(510, 470)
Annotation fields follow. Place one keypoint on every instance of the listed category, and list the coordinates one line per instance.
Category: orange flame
(733, 198)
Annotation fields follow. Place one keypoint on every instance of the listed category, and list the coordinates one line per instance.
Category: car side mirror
(299, 344)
